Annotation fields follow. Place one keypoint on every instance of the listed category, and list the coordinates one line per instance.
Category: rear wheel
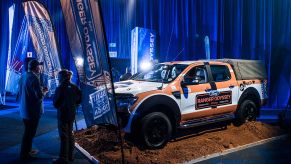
(246, 112)
(156, 130)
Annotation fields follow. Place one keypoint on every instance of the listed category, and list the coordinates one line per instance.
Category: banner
(143, 48)
(88, 45)
(15, 61)
(44, 41)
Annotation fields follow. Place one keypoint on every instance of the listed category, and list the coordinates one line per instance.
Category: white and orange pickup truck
(172, 95)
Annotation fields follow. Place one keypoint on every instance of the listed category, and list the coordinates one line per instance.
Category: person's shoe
(27, 158)
(60, 161)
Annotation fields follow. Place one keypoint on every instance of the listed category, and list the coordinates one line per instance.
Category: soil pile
(103, 144)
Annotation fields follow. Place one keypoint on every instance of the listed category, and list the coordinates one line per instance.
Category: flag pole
(112, 85)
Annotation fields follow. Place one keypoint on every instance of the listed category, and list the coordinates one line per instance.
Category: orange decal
(225, 109)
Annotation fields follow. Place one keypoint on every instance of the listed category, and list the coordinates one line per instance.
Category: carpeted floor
(3, 107)
(46, 139)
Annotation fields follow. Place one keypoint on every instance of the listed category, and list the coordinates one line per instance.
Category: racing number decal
(206, 100)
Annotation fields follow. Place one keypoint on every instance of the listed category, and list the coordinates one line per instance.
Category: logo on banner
(99, 102)
(152, 46)
(39, 26)
(41, 30)
(89, 43)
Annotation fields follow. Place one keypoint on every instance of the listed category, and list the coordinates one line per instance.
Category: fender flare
(251, 93)
(158, 103)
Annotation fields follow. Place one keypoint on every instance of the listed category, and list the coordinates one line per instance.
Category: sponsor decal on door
(208, 100)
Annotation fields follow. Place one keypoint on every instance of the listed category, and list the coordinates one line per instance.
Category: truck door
(225, 99)
(189, 106)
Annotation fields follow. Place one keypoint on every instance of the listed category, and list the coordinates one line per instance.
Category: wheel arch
(158, 103)
(251, 94)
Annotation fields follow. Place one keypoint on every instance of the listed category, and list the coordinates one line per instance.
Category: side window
(198, 72)
(220, 73)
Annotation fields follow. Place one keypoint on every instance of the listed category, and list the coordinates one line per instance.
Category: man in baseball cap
(34, 66)
(31, 108)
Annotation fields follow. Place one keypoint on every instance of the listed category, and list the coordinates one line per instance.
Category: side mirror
(190, 80)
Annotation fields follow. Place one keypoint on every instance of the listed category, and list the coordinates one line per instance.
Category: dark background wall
(247, 29)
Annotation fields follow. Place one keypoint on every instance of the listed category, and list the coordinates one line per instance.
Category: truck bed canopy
(247, 69)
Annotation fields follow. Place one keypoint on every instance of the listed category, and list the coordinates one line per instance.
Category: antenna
(169, 43)
(179, 54)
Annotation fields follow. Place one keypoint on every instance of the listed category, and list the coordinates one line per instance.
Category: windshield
(161, 73)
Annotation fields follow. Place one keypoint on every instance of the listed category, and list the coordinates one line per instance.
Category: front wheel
(156, 130)
(246, 112)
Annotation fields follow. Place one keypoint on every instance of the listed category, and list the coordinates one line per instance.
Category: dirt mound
(98, 139)
(103, 144)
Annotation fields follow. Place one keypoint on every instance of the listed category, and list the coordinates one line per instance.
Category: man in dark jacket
(67, 98)
(30, 95)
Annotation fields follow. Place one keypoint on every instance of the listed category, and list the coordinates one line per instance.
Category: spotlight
(79, 61)
(145, 66)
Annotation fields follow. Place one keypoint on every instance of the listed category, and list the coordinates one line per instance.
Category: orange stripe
(227, 109)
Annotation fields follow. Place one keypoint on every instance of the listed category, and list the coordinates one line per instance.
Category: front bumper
(123, 118)
(124, 103)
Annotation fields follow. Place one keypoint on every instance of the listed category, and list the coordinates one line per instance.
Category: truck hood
(135, 87)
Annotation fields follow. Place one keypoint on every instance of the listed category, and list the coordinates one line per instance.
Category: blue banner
(44, 41)
(143, 48)
(88, 45)
(15, 59)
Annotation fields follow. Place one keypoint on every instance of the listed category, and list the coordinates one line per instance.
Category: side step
(206, 120)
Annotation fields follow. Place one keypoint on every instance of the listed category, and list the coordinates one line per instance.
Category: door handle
(231, 86)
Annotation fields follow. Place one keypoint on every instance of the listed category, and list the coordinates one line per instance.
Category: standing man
(31, 108)
(67, 98)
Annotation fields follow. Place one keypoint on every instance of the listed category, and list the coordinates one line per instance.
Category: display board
(143, 47)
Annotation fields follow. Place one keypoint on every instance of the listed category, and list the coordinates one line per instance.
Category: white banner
(44, 41)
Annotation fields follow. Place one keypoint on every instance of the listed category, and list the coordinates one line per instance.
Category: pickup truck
(182, 94)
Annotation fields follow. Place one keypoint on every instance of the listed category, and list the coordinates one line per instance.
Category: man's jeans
(67, 140)
(30, 126)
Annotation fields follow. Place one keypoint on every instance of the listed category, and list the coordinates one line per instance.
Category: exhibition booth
(161, 81)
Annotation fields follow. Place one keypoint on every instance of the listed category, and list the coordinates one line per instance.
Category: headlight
(124, 103)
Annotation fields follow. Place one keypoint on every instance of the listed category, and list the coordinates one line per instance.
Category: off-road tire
(247, 111)
(156, 130)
